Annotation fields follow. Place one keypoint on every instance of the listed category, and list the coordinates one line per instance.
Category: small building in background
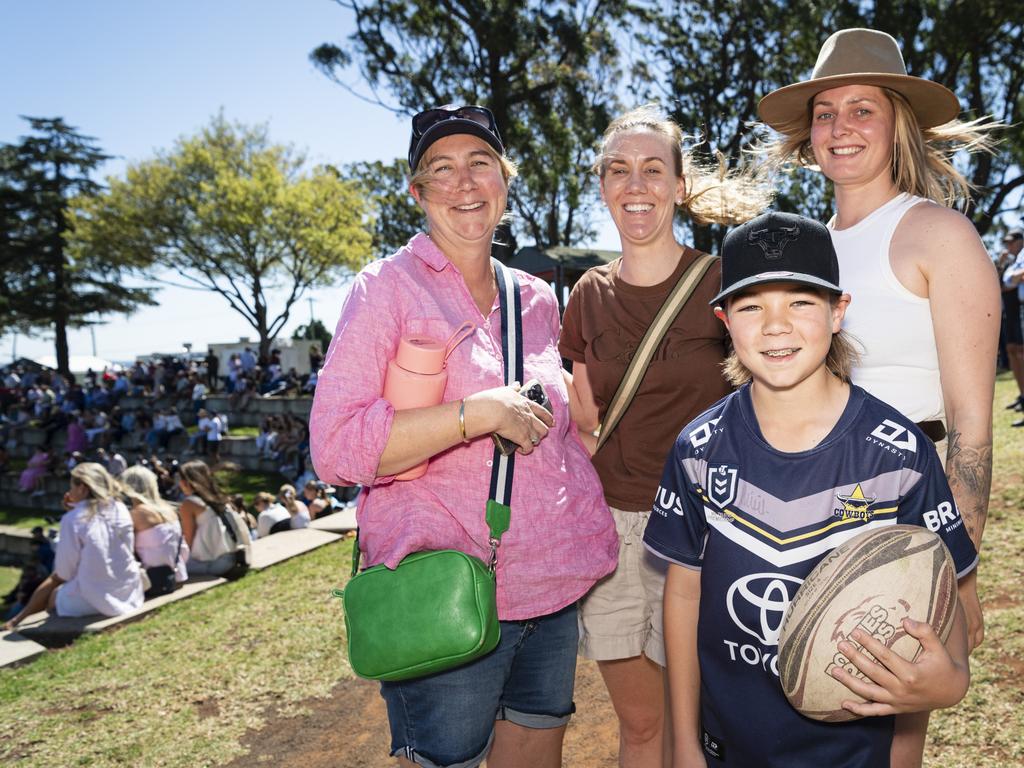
(294, 352)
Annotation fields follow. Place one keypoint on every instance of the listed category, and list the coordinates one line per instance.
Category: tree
(395, 215)
(229, 212)
(548, 71)
(714, 68)
(314, 331)
(711, 71)
(43, 285)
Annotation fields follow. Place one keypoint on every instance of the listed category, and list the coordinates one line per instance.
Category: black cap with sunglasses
(433, 124)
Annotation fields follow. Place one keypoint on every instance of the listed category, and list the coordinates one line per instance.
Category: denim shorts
(447, 720)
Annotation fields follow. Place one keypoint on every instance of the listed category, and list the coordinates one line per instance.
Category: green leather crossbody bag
(437, 610)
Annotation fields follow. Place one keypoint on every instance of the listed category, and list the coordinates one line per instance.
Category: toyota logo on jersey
(757, 603)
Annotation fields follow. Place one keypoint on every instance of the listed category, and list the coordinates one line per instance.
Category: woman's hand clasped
(511, 415)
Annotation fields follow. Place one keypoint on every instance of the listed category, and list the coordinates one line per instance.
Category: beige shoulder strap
(688, 282)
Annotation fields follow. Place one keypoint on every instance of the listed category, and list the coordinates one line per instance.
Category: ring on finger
(534, 439)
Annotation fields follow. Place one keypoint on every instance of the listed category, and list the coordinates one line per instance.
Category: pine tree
(44, 286)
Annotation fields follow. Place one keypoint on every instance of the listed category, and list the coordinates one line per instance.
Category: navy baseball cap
(778, 248)
(433, 124)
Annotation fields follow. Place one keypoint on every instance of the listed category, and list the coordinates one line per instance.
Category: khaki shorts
(621, 616)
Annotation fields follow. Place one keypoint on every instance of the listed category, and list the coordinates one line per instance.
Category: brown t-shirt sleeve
(570, 340)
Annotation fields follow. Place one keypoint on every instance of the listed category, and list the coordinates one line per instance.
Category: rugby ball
(872, 581)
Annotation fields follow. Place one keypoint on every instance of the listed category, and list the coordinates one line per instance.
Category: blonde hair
(288, 492)
(922, 158)
(712, 195)
(264, 498)
(843, 355)
(139, 485)
(422, 177)
(101, 486)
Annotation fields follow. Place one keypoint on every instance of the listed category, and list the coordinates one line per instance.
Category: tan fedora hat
(859, 57)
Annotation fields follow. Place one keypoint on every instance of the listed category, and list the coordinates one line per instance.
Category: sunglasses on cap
(423, 121)
(432, 124)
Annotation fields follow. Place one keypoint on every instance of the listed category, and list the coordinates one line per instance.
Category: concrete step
(58, 631)
(263, 406)
(342, 521)
(16, 649)
(287, 544)
(238, 447)
(48, 503)
(49, 483)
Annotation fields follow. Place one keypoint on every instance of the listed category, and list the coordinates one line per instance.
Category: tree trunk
(62, 290)
(60, 340)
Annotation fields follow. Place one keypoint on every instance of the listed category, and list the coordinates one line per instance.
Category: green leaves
(231, 212)
(549, 71)
(44, 282)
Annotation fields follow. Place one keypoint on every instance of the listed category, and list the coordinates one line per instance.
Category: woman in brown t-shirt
(645, 175)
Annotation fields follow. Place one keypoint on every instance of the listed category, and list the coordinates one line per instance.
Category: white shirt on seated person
(95, 558)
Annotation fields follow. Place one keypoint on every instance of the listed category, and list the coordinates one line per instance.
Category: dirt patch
(207, 708)
(1000, 601)
(349, 730)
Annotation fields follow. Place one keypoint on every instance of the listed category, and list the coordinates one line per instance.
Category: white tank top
(899, 363)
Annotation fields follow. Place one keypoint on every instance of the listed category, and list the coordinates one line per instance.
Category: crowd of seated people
(126, 478)
(140, 535)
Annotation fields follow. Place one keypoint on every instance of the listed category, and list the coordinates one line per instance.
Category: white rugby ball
(872, 582)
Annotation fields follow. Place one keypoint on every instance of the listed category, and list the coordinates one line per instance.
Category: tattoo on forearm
(969, 471)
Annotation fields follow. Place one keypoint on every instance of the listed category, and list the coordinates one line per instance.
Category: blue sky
(138, 75)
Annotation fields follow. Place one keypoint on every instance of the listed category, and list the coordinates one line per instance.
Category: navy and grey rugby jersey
(758, 520)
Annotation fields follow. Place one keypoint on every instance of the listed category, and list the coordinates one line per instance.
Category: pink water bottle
(416, 378)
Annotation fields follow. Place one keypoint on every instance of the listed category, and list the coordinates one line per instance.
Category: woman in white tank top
(925, 295)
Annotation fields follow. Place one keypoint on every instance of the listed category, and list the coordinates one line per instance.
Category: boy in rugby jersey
(759, 488)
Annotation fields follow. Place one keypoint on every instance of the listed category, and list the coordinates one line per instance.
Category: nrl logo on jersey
(723, 481)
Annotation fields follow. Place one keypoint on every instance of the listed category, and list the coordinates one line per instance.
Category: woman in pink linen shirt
(512, 705)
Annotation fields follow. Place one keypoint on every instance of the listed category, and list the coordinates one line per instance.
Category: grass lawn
(249, 483)
(24, 517)
(8, 578)
(232, 431)
(182, 686)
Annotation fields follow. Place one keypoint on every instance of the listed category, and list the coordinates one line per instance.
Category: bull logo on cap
(773, 240)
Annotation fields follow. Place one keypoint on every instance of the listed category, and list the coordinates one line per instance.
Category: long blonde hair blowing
(715, 195)
(203, 484)
(139, 485)
(922, 158)
(101, 486)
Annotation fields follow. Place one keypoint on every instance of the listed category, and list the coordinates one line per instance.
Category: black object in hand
(532, 390)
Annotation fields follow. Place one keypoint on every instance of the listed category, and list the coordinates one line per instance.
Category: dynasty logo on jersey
(896, 435)
(700, 436)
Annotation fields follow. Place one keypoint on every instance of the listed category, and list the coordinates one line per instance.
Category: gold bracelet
(462, 420)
